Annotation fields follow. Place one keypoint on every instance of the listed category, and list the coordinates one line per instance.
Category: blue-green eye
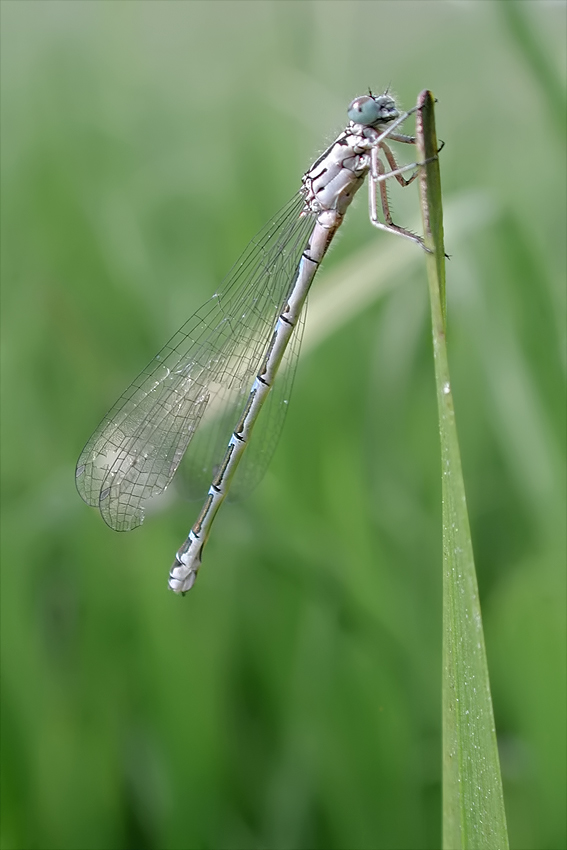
(364, 110)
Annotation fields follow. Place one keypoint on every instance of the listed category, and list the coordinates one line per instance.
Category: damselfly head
(371, 110)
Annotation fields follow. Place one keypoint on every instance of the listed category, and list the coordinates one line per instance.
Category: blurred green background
(292, 700)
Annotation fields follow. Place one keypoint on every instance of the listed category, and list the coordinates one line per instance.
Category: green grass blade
(473, 805)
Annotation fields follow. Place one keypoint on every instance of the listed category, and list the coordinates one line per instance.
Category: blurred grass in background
(292, 700)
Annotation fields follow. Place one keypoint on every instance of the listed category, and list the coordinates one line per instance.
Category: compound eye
(364, 110)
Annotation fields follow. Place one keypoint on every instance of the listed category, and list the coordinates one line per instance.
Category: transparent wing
(210, 442)
(200, 379)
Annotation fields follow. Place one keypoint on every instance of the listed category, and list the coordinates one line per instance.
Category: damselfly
(208, 386)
